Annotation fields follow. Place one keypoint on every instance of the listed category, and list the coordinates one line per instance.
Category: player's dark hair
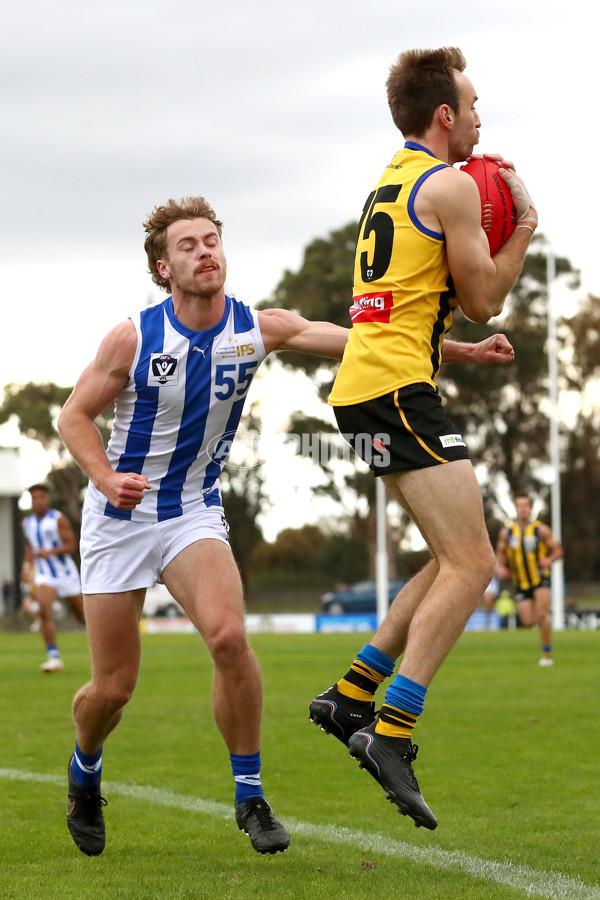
(523, 495)
(39, 487)
(419, 82)
(159, 220)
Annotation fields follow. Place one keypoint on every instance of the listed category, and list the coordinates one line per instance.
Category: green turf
(508, 762)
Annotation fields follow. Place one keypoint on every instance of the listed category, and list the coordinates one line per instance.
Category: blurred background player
(526, 550)
(50, 568)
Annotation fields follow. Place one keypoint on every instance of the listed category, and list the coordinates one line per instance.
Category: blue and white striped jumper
(176, 417)
(43, 534)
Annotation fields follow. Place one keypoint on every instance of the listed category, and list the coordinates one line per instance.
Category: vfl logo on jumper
(164, 368)
(372, 307)
(451, 440)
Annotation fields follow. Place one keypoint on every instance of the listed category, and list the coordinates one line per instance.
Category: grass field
(509, 762)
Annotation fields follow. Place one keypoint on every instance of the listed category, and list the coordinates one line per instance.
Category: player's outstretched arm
(494, 349)
(97, 387)
(285, 330)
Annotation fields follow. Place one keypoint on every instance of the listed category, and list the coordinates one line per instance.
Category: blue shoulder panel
(438, 235)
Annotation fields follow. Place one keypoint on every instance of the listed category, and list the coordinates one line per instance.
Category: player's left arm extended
(285, 330)
(494, 349)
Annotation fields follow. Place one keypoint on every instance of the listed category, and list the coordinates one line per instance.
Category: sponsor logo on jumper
(203, 352)
(372, 307)
(234, 348)
(452, 440)
(164, 369)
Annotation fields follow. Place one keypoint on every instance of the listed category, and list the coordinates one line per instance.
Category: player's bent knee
(229, 643)
(116, 694)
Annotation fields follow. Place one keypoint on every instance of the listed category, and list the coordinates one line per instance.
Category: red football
(498, 215)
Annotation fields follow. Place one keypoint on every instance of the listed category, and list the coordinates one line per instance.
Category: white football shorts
(118, 555)
(67, 585)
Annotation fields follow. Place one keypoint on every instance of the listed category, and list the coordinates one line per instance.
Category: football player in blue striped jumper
(178, 373)
(49, 568)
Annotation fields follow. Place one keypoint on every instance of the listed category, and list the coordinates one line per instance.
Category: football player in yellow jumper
(526, 550)
(421, 253)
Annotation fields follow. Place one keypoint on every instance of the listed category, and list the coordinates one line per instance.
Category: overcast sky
(276, 113)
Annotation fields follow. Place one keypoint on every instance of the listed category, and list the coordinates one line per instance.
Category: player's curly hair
(155, 243)
(419, 82)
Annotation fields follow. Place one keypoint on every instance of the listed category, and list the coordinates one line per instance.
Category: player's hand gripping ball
(498, 214)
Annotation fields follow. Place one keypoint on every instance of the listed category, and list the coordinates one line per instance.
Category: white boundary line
(531, 882)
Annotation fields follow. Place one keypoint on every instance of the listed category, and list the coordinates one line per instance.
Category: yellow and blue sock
(403, 704)
(366, 673)
(85, 768)
(246, 774)
(547, 650)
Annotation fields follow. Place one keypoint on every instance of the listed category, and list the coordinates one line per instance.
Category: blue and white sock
(246, 774)
(86, 770)
(52, 651)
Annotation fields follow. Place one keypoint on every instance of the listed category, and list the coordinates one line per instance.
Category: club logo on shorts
(451, 440)
(372, 307)
(164, 369)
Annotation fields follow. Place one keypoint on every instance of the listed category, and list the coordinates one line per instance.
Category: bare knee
(228, 645)
(45, 612)
(114, 693)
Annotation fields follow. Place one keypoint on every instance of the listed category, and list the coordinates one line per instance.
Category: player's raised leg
(114, 638)
(214, 603)
(348, 705)
(455, 531)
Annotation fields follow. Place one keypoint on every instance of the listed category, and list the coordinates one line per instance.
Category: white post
(558, 584)
(381, 557)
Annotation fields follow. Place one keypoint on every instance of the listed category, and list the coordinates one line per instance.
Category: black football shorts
(405, 429)
(529, 593)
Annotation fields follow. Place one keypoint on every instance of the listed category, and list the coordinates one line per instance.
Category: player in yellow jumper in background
(526, 550)
(421, 252)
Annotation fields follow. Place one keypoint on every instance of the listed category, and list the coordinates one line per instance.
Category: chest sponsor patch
(452, 440)
(235, 347)
(163, 369)
(371, 307)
